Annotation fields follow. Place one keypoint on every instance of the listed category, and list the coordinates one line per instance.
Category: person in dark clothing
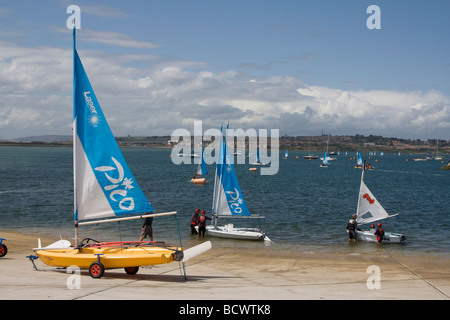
(147, 229)
(352, 226)
(202, 224)
(195, 219)
(379, 233)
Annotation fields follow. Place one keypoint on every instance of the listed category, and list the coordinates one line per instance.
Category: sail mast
(74, 132)
(217, 178)
(223, 161)
(360, 186)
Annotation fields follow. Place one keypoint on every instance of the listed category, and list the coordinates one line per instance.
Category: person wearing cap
(379, 233)
(194, 221)
(202, 224)
(352, 226)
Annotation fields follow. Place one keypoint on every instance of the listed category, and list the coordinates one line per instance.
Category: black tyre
(3, 250)
(131, 270)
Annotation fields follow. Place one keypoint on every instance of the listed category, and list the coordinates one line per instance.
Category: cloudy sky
(299, 66)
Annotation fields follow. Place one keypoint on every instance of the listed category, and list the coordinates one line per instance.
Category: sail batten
(103, 182)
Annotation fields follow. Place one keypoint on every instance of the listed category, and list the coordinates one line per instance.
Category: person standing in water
(352, 226)
(379, 233)
(202, 224)
(194, 221)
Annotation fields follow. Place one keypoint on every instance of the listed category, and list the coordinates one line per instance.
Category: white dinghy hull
(230, 232)
(389, 237)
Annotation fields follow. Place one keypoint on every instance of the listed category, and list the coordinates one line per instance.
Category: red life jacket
(380, 234)
(194, 219)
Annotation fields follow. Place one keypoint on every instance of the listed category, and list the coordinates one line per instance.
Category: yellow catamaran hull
(110, 256)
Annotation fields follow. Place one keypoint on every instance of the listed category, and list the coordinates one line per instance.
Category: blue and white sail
(104, 185)
(286, 154)
(324, 160)
(359, 161)
(228, 199)
(202, 168)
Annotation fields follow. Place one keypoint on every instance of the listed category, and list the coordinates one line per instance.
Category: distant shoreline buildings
(301, 143)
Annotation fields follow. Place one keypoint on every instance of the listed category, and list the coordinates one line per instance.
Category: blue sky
(299, 66)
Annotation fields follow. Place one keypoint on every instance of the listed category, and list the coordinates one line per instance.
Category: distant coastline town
(337, 143)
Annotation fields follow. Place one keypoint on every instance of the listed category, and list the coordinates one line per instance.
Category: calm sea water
(306, 207)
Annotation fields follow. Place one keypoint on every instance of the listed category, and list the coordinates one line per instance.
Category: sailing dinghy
(369, 210)
(258, 160)
(104, 187)
(327, 156)
(359, 161)
(324, 160)
(228, 201)
(202, 169)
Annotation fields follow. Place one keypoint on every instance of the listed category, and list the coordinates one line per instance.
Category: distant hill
(311, 143)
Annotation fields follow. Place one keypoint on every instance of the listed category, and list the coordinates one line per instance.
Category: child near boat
(194, 221)
(379, 233)
(202, 224)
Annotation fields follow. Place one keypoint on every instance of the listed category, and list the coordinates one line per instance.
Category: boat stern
(178, 255)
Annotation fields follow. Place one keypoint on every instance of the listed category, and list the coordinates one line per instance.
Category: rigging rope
(180, 264)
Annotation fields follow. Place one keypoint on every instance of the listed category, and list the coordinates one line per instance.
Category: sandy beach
(232, 273)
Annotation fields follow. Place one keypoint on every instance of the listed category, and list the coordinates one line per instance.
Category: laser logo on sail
(368, 198)
(94, 118)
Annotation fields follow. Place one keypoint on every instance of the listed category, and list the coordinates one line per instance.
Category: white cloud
(36, 98)
(104, 11)
(115, 39)
(404, 114)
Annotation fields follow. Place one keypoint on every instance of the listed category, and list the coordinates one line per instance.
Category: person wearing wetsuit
(379, 233)
(194, 221)
(202, 224)
(352, 226)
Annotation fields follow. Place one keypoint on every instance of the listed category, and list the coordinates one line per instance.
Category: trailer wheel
(3, 250)
(131, 270)
(96, 270)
